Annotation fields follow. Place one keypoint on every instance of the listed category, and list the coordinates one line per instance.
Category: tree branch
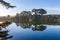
(6, 4)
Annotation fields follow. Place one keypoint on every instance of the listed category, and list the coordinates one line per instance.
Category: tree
(17, 17)
(26, 15)
(42, 11)
(6, 4)
(36, 15)
(35, 11)
(39, 11)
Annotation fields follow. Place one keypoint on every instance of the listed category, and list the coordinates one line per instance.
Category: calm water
(49, 32)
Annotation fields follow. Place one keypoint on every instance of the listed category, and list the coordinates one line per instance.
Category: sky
(51, 6)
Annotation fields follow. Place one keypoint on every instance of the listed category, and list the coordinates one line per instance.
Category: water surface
(48, 32)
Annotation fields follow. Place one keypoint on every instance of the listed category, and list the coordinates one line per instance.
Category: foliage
(6, 4)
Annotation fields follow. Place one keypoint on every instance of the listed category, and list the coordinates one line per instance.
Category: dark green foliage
(42, 11)
(39, 28)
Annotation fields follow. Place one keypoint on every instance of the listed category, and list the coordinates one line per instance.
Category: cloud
(52, 10)
(55, 9)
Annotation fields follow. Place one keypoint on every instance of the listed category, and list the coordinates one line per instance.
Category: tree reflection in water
(24, 25)
(4, 33)
(4, 24)
(37, 26)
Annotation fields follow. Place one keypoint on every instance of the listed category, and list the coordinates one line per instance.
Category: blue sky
(51, 6)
